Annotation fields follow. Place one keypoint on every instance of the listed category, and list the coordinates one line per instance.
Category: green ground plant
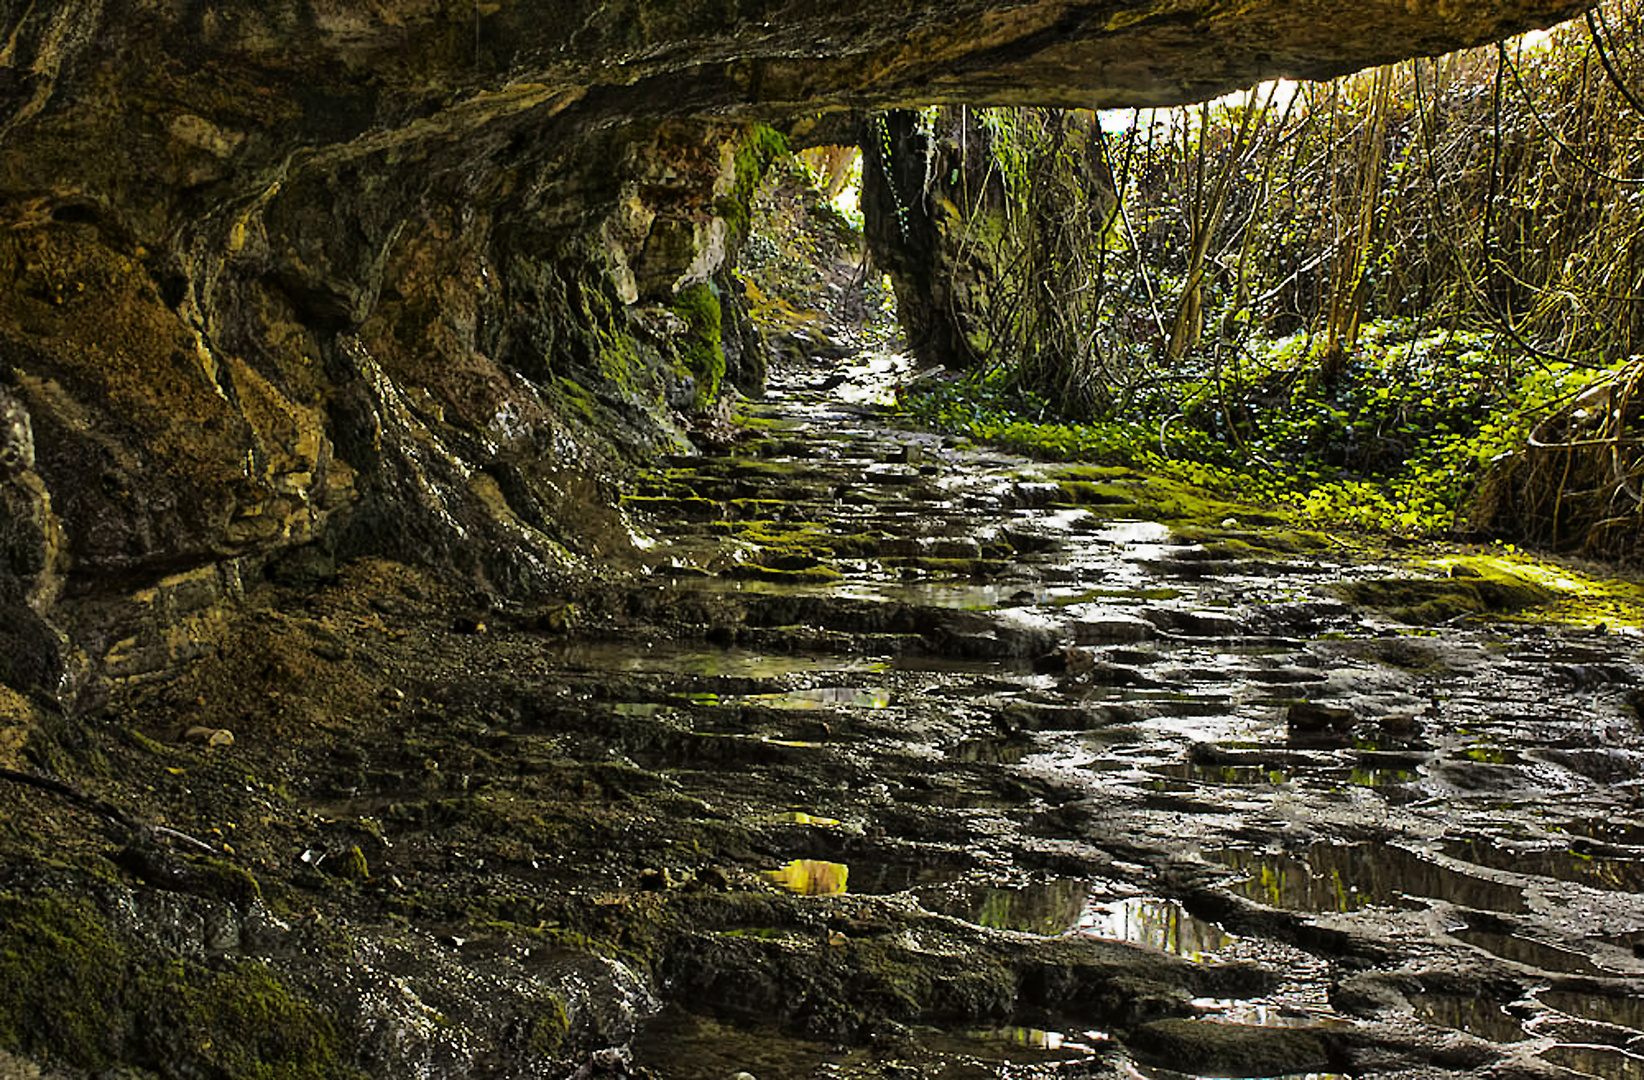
(1397, 443)
(1406, 300)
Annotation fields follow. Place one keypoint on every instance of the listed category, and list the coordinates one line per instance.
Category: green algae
(665, 507)
(1093, 493)
(1237, 541)
(702, 350)
(74, 992)
(759, 149)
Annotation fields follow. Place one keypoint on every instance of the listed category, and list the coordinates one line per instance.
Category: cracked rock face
(296, 281)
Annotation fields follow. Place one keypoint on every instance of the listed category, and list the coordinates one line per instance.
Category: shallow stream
(971, 691)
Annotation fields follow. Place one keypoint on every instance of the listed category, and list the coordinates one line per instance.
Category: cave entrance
(813, 290)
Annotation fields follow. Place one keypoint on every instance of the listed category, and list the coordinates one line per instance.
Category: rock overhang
(353, 274)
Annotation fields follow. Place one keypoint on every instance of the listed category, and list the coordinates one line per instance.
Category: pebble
(1311, 716)
(209, 736)
(712, 877)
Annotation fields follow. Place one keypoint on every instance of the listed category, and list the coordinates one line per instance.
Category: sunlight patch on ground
(1582, 600)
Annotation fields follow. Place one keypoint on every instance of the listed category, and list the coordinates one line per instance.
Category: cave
(381, 306)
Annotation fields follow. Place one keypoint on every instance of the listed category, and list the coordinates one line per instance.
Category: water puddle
(636, 708)
(800, 817)
(1604, 1062)
(1474, 1015)
(1598, 871)
(1158, 924)
(1261, 1014)
(829, 697)
(1224, 775)
(1625, 1012)
(811, 877)
(1381, 777)
(1344, 878)
(670, 659)
(863, 877)
(1522, 950)
(1012, 1038)
(1608, 831)
(1120, 533)
(1047, 908)
(883, 878)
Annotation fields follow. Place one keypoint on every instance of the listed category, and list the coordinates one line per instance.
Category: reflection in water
(1022, 1036)
(1262, 1013)
(1047, 908)
(1328, 877)
(1149, 1072)
(1608, 830)
(1161, 924)
(1524, 951)
(1375, 778)
(1225, 775)
(1476, 1016)
(800, 817)
(876, 878)
(1599, 871)
(827, 697)
(668, 658)
(811, 877)
(1627, 1012)
(1601, 1061)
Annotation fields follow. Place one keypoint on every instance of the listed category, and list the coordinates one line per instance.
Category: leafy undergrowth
(1393, 452)
(1396, 444)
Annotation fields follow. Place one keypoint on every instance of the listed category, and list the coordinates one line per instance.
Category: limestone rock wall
(291, 280)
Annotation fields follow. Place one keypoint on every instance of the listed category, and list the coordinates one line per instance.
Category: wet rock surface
(903, 759)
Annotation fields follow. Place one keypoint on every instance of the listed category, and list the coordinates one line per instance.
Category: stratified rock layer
(295, 281)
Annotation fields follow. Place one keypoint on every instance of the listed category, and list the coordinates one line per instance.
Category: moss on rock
(74, 992)
(1472, 587)
(703, 348)
(1220, 1049)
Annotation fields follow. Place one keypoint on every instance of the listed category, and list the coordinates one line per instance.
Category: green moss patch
(702, 350)
(1472, 587)
(72, 992)
(1235, 541)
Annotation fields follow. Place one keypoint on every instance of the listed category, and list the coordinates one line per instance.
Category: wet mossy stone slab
(1214, 1048)
(1469, 588)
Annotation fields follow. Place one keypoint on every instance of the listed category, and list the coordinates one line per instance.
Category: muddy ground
(903, 759)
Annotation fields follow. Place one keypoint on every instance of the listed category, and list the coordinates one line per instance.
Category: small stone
(556, 619)
(330, 650)
(712, 877)
(1311, 716)
(652, 880)
(209, 736)
(742, 1076)
(1398, 723)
